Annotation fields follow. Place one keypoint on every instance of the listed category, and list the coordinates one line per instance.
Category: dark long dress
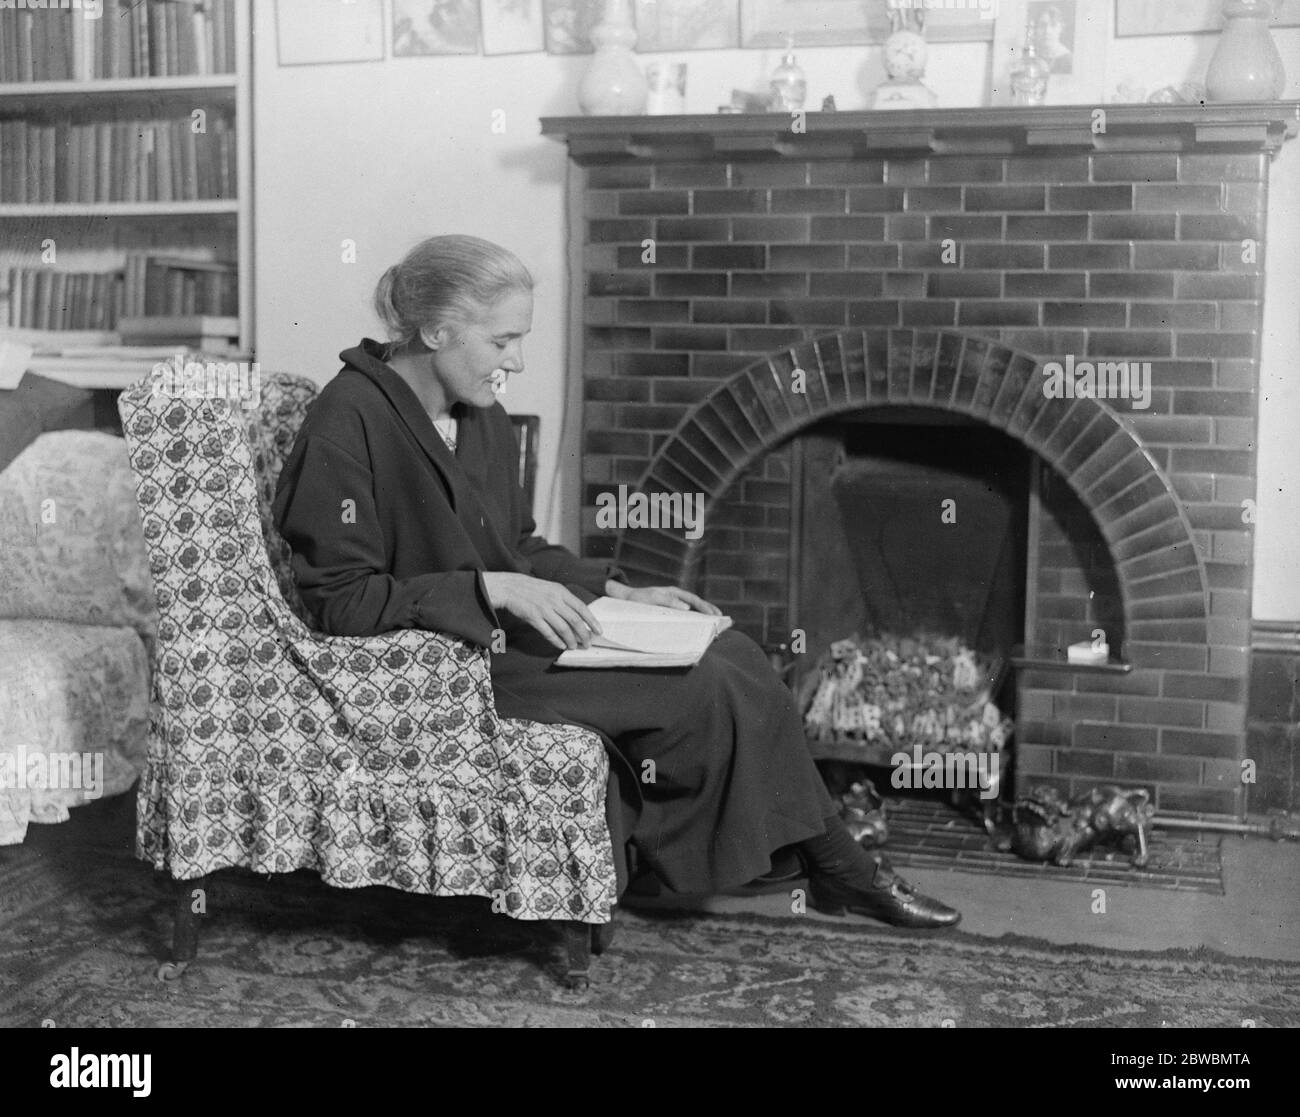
(731, 781)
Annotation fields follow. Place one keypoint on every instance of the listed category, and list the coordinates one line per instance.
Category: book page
(637, 635)
(631, 626)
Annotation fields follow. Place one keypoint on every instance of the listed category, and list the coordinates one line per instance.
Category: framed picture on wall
(1186, 17)
(569, 24)
(687, 25)
(513, 26)
(423, 27)
(770, 23)
(307, 35)
(1071, 36)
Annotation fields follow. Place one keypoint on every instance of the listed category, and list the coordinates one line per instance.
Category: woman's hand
(549, 607)
(673, 597)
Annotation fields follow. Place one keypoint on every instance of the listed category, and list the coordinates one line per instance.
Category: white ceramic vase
(1247, 65)
(613, 84)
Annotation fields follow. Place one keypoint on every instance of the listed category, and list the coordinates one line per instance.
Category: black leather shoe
(890, 899)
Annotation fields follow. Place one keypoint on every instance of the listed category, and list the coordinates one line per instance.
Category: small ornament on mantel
(789, 86)
(1029, 74)
(906, 52)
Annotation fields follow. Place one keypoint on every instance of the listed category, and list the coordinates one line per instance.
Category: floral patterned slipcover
(372, 761)
(77, 618)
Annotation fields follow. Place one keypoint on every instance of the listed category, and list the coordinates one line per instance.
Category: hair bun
(386, 300)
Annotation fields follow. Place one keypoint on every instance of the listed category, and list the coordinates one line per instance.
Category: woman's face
(469, 360)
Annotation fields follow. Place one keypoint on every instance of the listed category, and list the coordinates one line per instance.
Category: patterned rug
(82, 930)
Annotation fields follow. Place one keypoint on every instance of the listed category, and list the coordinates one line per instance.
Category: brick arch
(1089, 445)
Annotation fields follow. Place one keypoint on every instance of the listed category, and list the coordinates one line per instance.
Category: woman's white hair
(445, 281)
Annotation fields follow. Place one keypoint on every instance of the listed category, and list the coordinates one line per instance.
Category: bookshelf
(125, 182)
(120, 209)
(128, 90)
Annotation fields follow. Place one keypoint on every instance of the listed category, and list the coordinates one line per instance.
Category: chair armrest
(439, 669)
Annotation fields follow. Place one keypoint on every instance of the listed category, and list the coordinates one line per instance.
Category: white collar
(448, 429)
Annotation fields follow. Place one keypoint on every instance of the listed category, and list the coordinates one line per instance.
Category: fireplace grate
(927, 833)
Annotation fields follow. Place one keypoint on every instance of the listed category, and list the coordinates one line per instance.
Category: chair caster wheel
(170, 972)
(577, 982)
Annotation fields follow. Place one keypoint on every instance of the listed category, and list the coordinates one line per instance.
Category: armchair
(371, 761)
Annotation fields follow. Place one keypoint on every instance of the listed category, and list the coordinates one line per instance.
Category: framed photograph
(569, 24)
(771, 23)
(513, 27)
(424, 27)
(309, 33)
(1186, 17)
(1069, 35)
(687, 25)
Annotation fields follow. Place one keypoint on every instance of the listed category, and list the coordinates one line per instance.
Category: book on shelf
(46, 299)
(173, 285)
(638, 635)
(137, 160)
(130, 39)
(197, 331)
(149, 285)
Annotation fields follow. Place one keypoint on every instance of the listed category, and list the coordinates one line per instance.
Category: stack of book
(129, 39)
(201, 332)
(117, 161)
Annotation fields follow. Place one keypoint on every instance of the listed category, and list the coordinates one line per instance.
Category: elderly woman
(411, 431)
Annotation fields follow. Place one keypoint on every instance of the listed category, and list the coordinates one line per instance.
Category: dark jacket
(386, 526)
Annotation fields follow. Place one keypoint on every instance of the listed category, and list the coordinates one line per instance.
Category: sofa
(77, 625)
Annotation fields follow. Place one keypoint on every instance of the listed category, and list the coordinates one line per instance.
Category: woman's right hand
(549, 607)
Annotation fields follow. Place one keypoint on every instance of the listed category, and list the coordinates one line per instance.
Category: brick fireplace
(744, 289)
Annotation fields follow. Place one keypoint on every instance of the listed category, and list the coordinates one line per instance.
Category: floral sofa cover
(77, 621)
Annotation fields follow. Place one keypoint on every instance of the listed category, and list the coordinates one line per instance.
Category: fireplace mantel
(936, 132)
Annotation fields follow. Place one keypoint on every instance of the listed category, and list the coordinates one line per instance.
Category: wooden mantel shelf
(1262, 126)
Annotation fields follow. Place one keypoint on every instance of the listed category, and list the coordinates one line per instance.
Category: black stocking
(836, 854)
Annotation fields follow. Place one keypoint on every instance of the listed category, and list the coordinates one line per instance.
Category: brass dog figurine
(863, 811)
(1050, 828)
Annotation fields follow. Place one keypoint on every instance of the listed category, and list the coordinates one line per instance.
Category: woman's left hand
(673, 597)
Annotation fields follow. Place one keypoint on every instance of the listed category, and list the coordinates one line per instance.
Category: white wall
(385, 153)
(1277, 536)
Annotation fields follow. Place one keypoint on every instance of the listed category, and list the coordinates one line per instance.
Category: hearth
(907, 524)
(746, 297)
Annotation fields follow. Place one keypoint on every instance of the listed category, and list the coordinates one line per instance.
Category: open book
(637, 635)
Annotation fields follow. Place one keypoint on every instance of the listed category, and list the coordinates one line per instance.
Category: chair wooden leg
(185, 929)
(577, 949)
